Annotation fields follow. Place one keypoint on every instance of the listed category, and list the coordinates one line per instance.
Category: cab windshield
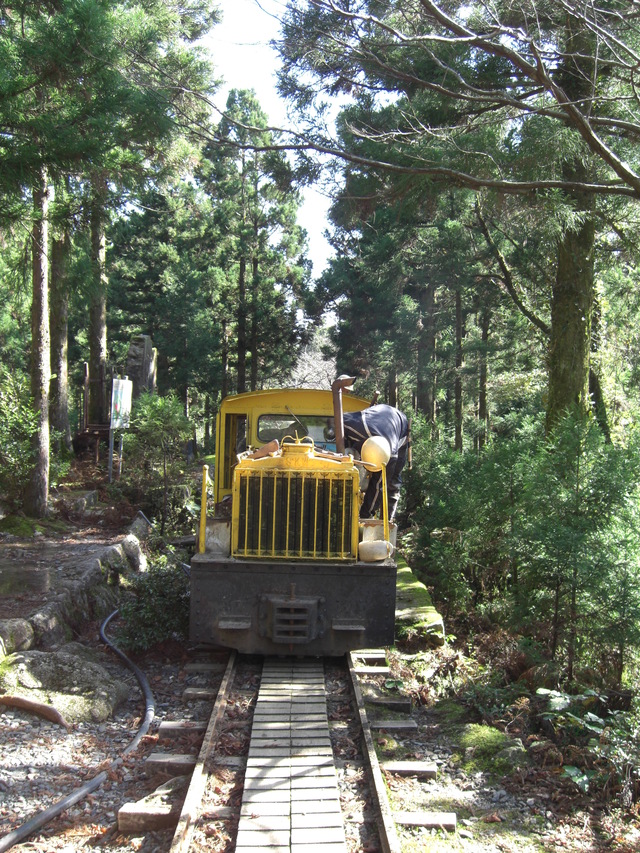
(318, 427)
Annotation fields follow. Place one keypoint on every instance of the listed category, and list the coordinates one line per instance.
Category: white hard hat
(376, 450)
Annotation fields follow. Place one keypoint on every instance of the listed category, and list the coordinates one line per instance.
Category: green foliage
(465, 511)
(162, 283)
(577, 544)
(158, 429)
(59, 458)
(541, 534)
(18, 423)
(257, 252)
(155, 444)
(610, 738)
(157, 608)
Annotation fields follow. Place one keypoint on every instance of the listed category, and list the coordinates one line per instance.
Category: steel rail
(386, 827)
(193, 801)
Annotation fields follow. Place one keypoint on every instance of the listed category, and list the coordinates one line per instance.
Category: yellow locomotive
(285, 565)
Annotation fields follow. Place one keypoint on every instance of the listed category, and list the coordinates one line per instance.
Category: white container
(373, 528)
(375, 550)
(217, 537)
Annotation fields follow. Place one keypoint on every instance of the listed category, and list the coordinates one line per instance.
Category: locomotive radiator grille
(293, 514)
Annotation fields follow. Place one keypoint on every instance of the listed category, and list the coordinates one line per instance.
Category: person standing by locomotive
(388, 423)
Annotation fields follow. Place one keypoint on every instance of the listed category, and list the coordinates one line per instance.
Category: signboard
(121, 403)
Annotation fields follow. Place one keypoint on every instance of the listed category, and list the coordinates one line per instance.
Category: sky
(242, 56)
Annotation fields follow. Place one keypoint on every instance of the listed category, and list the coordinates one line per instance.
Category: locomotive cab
(284, 564)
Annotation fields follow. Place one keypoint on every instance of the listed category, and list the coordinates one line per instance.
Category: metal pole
(385, 502)
(203, 509)
(110, 453)
(120, 455)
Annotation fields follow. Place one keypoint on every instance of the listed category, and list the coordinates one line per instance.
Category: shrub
(18, 423)
(543, 533)
(157, 608)
(155, 444)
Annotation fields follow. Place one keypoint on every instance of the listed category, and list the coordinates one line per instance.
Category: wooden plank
(141, 817)
(395, 725)
(267, 822)
(218, 813)
(288, 772)
(317, 782)
(228, 761)
(372, 670)
(327, 807)
(174, 765)
(411, 768)
(146, 816)
(315, 836)
(329, 847)
(430, 820)
(401, 704)
(248, 839)
(179, 728)
(199, 694)
(370, 656)
(253, 809)
(322, 819)
(205, 666)
(256, 784)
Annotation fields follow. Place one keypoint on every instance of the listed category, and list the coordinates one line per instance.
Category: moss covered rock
(490, 750)
(415, 614)
(80, 689)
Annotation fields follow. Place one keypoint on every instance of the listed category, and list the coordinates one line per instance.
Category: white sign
(121, 403)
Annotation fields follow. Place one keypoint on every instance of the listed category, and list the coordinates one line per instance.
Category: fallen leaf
(494, 817)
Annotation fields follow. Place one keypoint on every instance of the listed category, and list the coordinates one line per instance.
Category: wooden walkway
(290, 802)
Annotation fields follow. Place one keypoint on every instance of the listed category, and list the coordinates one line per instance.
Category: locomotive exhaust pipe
(342, 382)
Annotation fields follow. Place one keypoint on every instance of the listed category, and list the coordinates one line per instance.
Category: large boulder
(15, 635)
(81, 690)
(134, 553)
(142, 364)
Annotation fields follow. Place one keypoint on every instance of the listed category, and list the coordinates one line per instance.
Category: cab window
(319, 427)
(235, 441)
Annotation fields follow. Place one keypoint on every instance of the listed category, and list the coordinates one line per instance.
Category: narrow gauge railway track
(286, 767)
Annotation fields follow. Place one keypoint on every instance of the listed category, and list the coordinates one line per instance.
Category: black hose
(42, 818)
(149, 701)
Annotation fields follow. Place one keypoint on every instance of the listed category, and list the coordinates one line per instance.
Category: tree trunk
(392, 388)
(426, 367)
(165, 497)
(207, 423)
(457, 388)
(98, 308)
(572, 295)
(598, 404)
(59, 406)
(571, 307)
(573, 625)
(555, 632)
(242, 326)
(224, 361)
(37, 492)
(483, 409)
(254, 323)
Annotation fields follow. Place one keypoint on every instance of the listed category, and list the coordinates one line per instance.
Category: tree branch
(507, 278)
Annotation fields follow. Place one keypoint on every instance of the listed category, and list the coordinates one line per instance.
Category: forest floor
(504, 767)
(501, 765)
